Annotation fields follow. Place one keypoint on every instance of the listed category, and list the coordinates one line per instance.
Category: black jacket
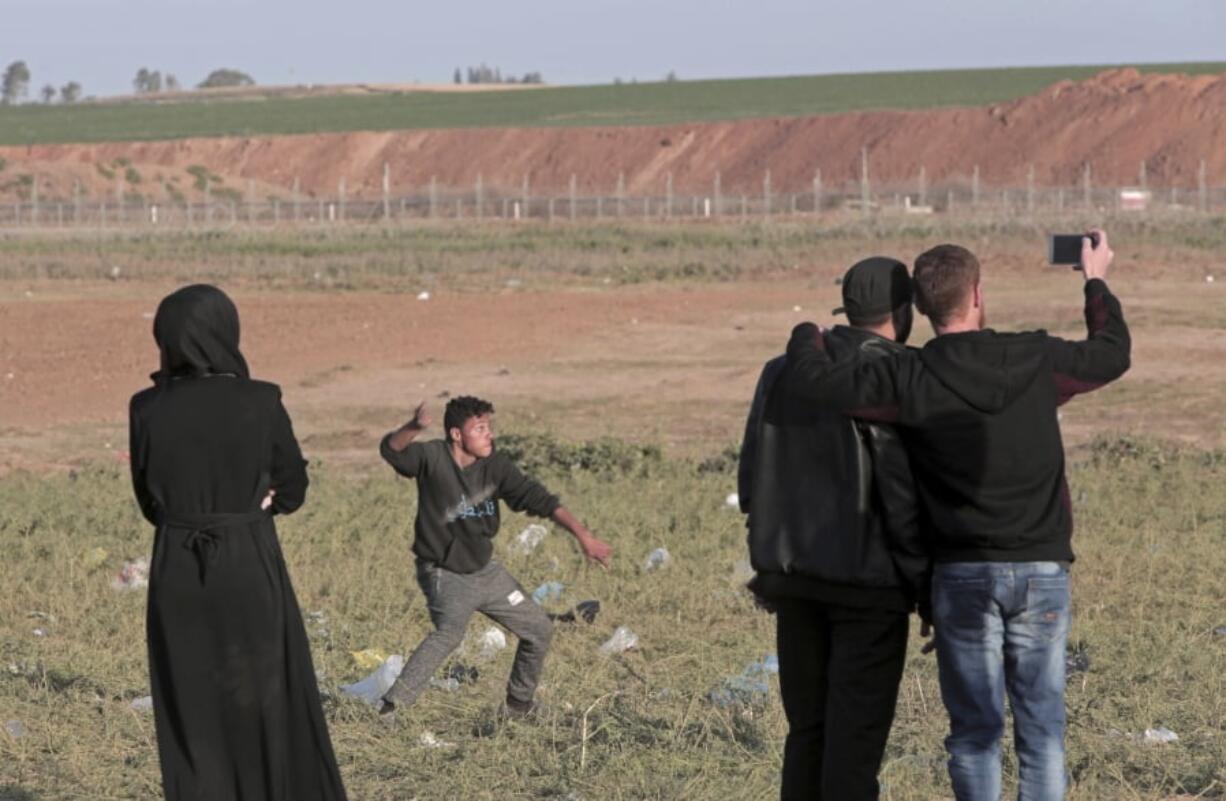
(977, 411)
(831, 502)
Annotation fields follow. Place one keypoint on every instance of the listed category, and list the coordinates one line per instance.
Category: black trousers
(839, 670)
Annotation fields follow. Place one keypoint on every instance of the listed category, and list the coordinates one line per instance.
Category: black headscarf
(196, 329)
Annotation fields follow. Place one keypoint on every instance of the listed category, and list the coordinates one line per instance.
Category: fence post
(1087, 187)
(527, 197)
(340, 199)
(668, 195)
(297, 200)
(387, 191)
(865, 191)
(433, 196)
(766, 190)
(208, 200)
(480, 196)
(923, 186)
(34, 200)
(817, 191)
(1142, 178)
(1030, 189)
(119, 199)
(1202, 187)
(573, 194)
(621, 192)
(975, 188)
(76, 202)
(719, 200)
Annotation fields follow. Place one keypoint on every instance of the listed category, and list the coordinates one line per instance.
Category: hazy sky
(102, 43)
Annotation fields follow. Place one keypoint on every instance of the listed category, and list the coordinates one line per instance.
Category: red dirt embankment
(1113, 122)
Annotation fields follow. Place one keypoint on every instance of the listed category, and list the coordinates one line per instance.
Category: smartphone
(1066, 248)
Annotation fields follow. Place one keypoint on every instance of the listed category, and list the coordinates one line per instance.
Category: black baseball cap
(875, 286)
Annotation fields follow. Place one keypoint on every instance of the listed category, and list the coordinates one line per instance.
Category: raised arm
(1106, 352)
(394, 447)
(523, 494)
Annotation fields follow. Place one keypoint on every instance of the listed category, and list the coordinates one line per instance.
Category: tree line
(487, 74)
(15, 84)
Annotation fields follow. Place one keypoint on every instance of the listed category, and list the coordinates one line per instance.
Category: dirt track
(1112, 122)
(664, 363)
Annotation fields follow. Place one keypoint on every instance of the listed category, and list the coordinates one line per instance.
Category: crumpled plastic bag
(532, 536)
(623, 639)
(492, 641)
(372, 688)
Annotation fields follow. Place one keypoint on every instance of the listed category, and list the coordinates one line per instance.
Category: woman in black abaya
(213, 460)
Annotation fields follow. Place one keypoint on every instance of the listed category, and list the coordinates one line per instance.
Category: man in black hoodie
(978, 414)
(834, 541)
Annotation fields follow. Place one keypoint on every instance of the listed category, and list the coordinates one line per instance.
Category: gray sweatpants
(451, 599)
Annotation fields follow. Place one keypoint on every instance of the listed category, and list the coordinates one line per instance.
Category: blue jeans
(1001, 628)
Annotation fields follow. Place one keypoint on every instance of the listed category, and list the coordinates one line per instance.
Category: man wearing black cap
(979, 411)
(833, 540)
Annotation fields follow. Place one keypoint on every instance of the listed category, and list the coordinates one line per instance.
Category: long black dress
(235, 701)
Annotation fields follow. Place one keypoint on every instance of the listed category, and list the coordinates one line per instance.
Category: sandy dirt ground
(668, 363)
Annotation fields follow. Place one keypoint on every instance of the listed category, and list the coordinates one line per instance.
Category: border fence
(228, 207)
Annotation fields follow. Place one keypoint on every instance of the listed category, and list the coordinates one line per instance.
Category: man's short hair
(944, 277)
(462, 409)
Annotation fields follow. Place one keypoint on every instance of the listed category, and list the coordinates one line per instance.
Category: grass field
(627, 104)
(621, 359)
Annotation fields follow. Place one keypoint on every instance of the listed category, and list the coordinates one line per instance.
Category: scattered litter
(15, 728)
(492, 641)
(751, 688)
(623, 639)
(1077, 659)
(733, 501)
(368, 658)
(423, 295)
(448, 684)
(587, 610)
(372, 688)
(94, 558)
(549, 591)
(1208, 279)
(530, 537)
(1220, 631)
(796, 308)
(428, 740)
(1160, 735)
(115, 272)
(657, 559)
(133, 576)
(462, 673)
(142, 704)
(40, 632)
(742, 572)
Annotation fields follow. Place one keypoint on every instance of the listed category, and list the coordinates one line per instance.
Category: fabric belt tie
(203, 535)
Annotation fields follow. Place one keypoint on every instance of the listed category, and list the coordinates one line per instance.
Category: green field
(1148, 594)
(626, 104)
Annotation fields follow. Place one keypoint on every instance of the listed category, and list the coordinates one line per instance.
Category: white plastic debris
(1160, 735)
(657, 559)
(133, 576)
(142, 704)
(796, 308)
(1220, 631)
(492, 641)
(428, 740)
(1208, 279)
(372, 688)
(530, 537)
(733, 501)
(423, 295)
(750, 688)
(15, 728)
(40, 632)
(549, 591)
(623, 639)
(447, 685)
